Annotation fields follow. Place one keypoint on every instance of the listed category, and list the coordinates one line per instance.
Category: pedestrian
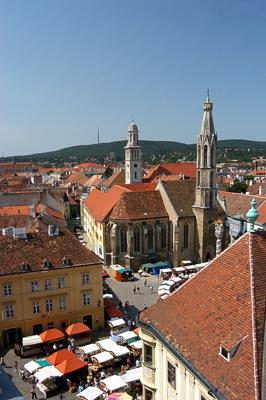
(61, 396)
(145, 307)
(54, 347)
(126, 305)
(33, 392)
(137, 363)
(102, 374)
(16, 366)
(145, 282)
(151, 288)
(138, 289)
(134, 289)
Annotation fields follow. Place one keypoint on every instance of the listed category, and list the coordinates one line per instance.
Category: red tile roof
(237, 204)
(100, 203)
(40, 246)
(140, 187)
(223, 305)
(139, 205)
(118, 178)
(186, 169)
(15, 210)
(262, 213)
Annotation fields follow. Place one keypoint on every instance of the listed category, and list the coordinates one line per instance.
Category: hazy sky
(67, 67)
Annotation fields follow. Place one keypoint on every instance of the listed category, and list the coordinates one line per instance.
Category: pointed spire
(208, 96)
(252, 215)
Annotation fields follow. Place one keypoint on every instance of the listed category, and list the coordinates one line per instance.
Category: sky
(69, 67)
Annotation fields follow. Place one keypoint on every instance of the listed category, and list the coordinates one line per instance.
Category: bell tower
(133, 162)
(206, 191)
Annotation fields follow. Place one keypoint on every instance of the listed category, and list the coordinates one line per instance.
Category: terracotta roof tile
(181, 195)
(118, 178)
(237, 204)
(215, 308)
(40, 246)
(139, 205)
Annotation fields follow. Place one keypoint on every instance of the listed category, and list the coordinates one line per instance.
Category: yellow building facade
(43, 294)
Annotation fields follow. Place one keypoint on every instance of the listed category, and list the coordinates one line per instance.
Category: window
(62, 303)
(148, 394)
(163, 237)
(85, 279)
(171, 374)
(212, 184)
(224, 353)
(147, 354)
(212, 156)
(7, 289)
(47, 284)
(185, 239)
(123, 239)
(198, 183)
(9, 311)
(34, 286)
(136, 175)
(61, 282)
(150, 238)
(49, 305)
(137, 239)
(205, 156)
(50, 325)
(35, 307)
(86, 299)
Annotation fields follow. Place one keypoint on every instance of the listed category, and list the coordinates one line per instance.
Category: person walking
(151, 288)
(33, 392)
(134, 289)
(145, 282)
(138, 289)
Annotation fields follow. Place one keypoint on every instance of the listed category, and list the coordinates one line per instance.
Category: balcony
(148, 375)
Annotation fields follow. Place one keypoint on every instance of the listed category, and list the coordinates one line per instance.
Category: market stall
(32, 366)
(91, 393)
(113, 383)
(132, 375)
(117, 326)
(71, 365)
(47, 382)
(127, 336)
(136, 348)
(30, 346)
(60, 356)
(105, 344)
(80, 332)
(119, 352)
(90, 349)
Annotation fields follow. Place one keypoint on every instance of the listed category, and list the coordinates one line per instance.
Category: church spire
(133, 163)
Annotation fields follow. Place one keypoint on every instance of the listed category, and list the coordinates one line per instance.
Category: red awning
(52, 335)
(114, 312)
(60, 356)
(77, 328)
(68, 366)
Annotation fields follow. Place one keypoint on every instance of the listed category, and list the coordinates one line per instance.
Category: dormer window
(224, 353)
(46, 264)
(66, 262)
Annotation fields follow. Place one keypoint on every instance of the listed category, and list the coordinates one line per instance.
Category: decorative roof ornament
(252, 215)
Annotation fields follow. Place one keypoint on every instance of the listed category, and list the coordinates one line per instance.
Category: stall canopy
(90, 348)
(114, 312)
(114, 382)
(106, 344)
(116, 322)
(77, 328)
(31, 340)
(161, 265)
(137, 330)
(52, 335)
(132, 375)
(147, 266)
(119, 351)
(103, 357)
(128, 335)
(119, 396)
(47, 373)
(32, 366)
(137, 345)
(43, 363)
(91, 393)
(68, 366)
(59, 356)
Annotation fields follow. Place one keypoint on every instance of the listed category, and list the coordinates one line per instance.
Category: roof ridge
(253, 311)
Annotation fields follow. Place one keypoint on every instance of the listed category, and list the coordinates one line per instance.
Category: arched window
(123, 239)
(205, 156)
(198, 156)
(136, 175)
(185, 238)
(212, 184)
(198, 178)
(136, 239)
(150, 238)
(163, 237)
(212, 156)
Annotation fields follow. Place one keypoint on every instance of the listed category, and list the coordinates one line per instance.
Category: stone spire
(133, 162)
(252, 215)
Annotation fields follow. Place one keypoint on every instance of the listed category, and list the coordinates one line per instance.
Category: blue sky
(67, 67)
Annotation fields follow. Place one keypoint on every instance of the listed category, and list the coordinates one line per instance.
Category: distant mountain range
(149, 148)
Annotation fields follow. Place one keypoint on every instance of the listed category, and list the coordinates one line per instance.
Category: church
(163, 220)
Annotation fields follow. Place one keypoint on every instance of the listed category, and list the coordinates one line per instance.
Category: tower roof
(132, 127)
(207, 125)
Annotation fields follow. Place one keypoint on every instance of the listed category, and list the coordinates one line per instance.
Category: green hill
(150, 148)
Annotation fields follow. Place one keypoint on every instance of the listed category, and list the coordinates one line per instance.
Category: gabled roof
(182, 196)
(237, 204)
(100, 203)
(140, 187)
(139, 205)
(118, 178)
(186, 169)
(77, 177)
(222, 305)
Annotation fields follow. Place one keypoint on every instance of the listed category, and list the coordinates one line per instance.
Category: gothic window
(212, 184)
(205, 156)
(136, 239)
(198, 178)
(123, 239)
(136, 175)
(185, 238)
(212, 156)
(163, 237)
(150, 238)
(198, 156)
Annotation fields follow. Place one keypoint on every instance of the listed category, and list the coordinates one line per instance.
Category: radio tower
(98, 136)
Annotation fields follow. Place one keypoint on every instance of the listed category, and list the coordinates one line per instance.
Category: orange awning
(52, 335)
(137, 330)
(60, 356)
(114, 312)
(68, 366)
(77, 328)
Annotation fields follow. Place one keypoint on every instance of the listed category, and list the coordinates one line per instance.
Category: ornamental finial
(252, 215)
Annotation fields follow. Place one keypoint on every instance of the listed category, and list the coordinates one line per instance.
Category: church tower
(133, 162)
(206, 192)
